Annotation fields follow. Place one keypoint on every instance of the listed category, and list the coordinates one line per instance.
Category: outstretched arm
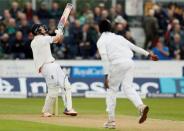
(105, 62)
(139, 50)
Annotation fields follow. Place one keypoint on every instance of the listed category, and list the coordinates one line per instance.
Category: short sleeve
(49, 39)
(101, 47)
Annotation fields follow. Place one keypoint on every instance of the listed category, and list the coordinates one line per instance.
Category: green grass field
(168, 109)
(35, 126)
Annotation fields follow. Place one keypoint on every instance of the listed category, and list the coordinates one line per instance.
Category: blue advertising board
(89, 78)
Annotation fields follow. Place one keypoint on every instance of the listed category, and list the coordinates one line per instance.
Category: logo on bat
(63, 19)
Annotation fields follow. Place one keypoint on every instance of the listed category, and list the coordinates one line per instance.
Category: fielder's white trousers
(55, 78)
(121, 74)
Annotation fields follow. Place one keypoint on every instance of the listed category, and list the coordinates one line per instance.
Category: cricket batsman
(116, 54)
(45, 64)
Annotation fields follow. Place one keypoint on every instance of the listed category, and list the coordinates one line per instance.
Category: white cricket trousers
(121, 74)
(55, 78)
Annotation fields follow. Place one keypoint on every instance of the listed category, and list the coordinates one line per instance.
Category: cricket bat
(64, 16)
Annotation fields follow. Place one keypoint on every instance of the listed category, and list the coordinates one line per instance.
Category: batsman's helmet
(105, 26)
(36, 28)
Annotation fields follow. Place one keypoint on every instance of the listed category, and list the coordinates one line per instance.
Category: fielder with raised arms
(116, 53)
(51, 71)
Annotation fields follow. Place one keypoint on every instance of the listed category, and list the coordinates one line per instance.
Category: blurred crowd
(163, 26)
(80, 33)
(164, 31)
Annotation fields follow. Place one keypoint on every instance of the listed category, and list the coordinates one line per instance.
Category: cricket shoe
(143, 109)
(71, 112)
(46, 114)
(110, 125)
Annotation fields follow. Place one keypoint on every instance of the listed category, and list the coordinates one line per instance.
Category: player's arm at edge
(105, 61)
(139, 50)
(58, 37)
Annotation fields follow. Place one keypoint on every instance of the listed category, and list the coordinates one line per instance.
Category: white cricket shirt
(41, 50)
(116, 48)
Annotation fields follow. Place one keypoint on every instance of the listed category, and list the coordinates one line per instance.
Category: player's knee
(112, 90)
(128, 88)
(53, 94)
(53, 91)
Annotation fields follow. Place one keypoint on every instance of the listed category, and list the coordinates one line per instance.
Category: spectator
(43, 13)
(177, 30)
(36, 20)
(176, 46)
(119, 10)
(162, 18)
(77, 34)
(97, 14)
(150, 25)
(82, 18)
(105, 14)
(14, 9)
(20, 15)
(5, 46)
(90, 17)
(93, 37)
(2, 29)
(167, 21)
(11, 29)
(69, 42)
(101, 6)
(59, 51)
(170, 28)
(1, 52)
(24, 27)
(112, 13)
(72, 16)
(6, 16)
(129, 37)
(178, 12)
(27, 47)
(18, 46)
(182, 52)
(85, 44)
(52, 26)
(29, 11)
(161, 51)
(182, 21)
(55, 13)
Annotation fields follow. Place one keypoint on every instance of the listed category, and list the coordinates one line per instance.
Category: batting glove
(59, 32)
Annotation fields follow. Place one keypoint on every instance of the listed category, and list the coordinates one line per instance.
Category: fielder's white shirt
(41, 50)
(115, 48)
